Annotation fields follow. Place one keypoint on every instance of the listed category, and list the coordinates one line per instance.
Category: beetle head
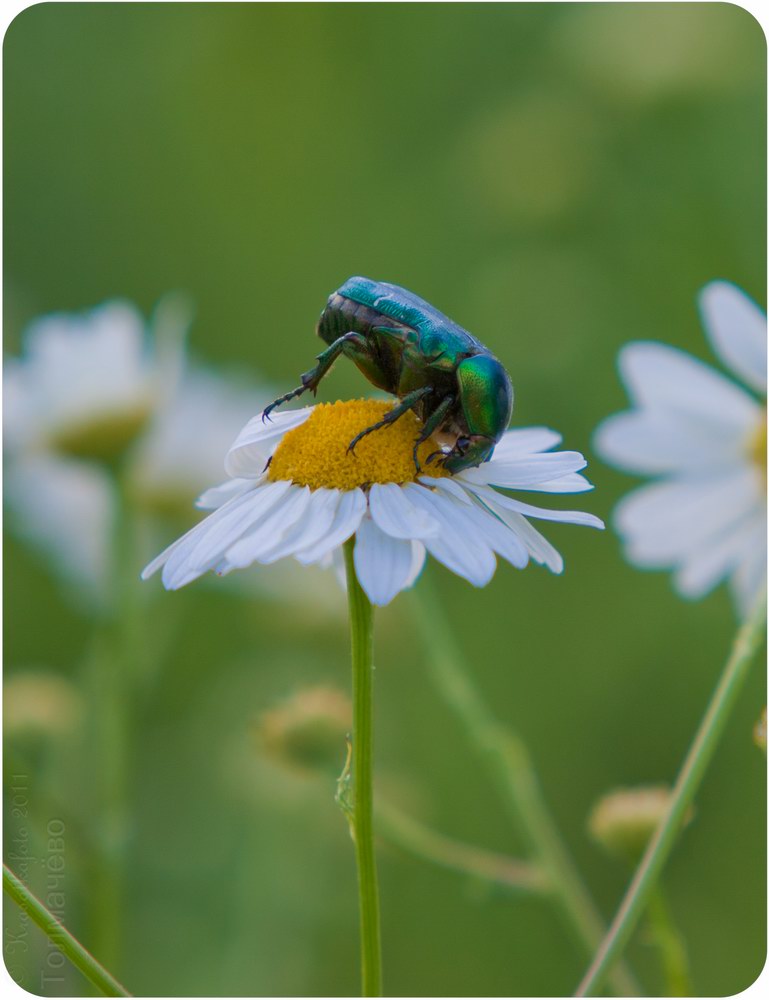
(486, 401)
(468, 452)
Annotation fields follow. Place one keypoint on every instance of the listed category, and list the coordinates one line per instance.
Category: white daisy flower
(296, 491)
(704, 436)
(85, 386)
(66, 506)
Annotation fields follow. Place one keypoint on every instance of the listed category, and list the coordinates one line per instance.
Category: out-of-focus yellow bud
(759, 731)
(624, 820)
(40, 703)
(309, 730)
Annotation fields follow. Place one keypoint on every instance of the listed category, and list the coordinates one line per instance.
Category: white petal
(662, 522)
(539, 548)
(650, 442)
(458, 546)
(543, 513)
(202, 547)
(526, 441)
(749, 579)
(204, 550)
(737, 331)
(383, 564)
(573, 483)
(665, 379)
(258, 440)
(502, 540)
(352, 507)
(525, 472)
(710, 562)
(396, 515)
(217, 496)
(418, 556)
(459, 490)
(310, 529)
(269, 530)
(191, 537)
(485, 523)
(339, 566)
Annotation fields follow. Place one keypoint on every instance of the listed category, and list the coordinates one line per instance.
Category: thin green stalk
(512, 768)
(672, 950)
(61, 937)
(112, 684)
(746, 644)
(362, 819)
(467, 859)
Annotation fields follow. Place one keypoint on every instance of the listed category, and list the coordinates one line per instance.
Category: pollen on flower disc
(315, 454)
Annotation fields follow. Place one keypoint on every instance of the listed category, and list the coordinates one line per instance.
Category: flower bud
(624, 820)
(759, 731)
(40, 703)
(308, 731)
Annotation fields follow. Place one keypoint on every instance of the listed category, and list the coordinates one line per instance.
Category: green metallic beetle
(405, 346)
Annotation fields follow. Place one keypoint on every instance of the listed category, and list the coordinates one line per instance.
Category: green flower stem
(512, 768)
(419, 840)
(61, 937)
(746, 644)
(362, 819)
(672, 950)
(112, 683)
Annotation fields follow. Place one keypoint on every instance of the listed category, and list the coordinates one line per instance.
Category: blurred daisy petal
(707, 436)
(672, 383)
(737, 331)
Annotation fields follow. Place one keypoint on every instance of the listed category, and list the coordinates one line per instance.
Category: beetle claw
(432, 456)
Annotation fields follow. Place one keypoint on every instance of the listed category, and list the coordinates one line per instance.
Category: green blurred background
(560, 178)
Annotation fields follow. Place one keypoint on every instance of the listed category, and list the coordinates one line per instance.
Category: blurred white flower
(705, 436)
(316, 495)
(85, 386)
(181, 452)
(65, 509)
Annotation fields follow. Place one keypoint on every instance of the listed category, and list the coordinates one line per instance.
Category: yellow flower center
(758, 447)
(315, 454)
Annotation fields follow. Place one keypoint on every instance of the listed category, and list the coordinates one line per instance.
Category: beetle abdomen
(344, 315)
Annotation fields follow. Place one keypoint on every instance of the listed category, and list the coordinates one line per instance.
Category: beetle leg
(311, 379)
(432, 424)
(407, 403)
